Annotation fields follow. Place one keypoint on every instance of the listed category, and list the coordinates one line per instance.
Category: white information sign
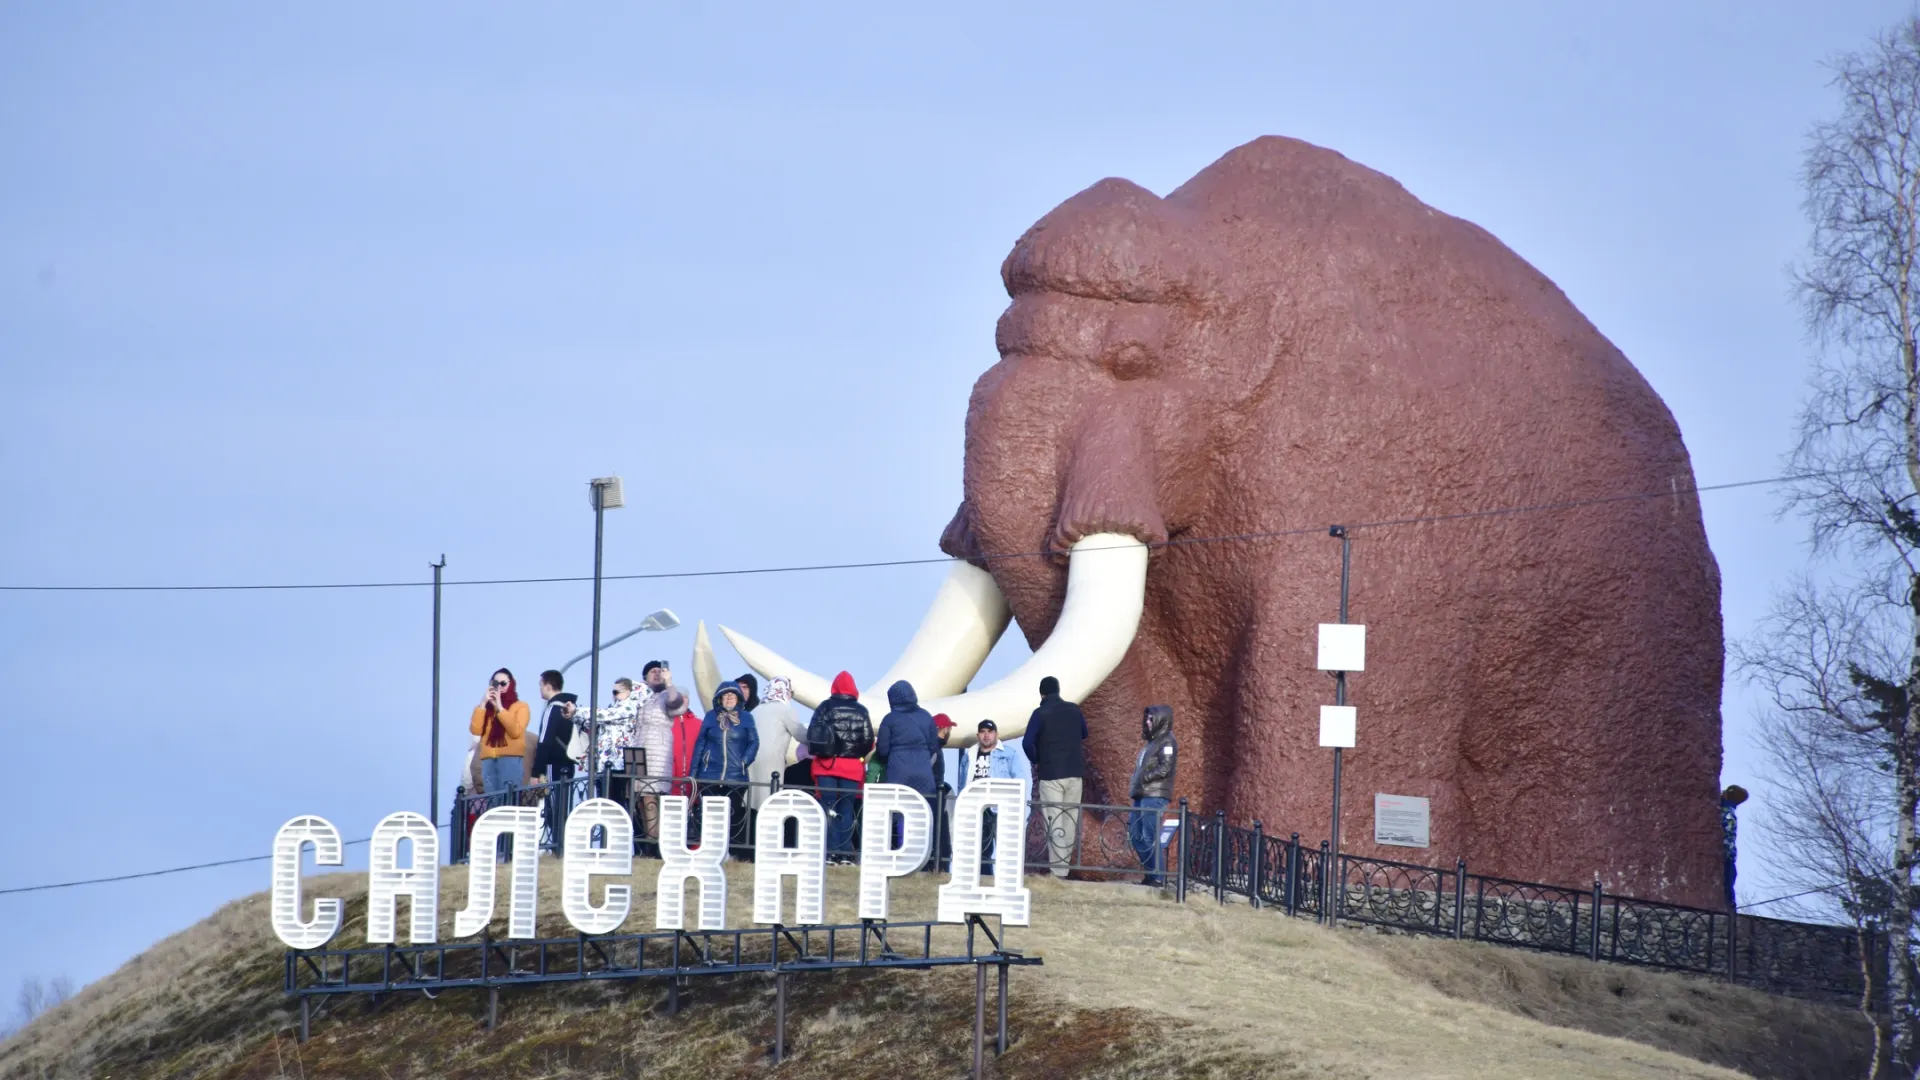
(1337, 723)
(1343, 647)
(1400, 820)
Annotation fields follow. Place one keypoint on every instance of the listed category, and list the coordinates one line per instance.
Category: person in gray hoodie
(1152, 788)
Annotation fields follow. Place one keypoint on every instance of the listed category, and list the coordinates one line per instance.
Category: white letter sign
(581, 861)
(523, 824)
(880, 861)
(806, 863)
(288, 926)
(678, 864)
(419, 881)
(1007, 897)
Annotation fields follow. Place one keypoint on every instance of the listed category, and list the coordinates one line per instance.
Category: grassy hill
(1134, 986)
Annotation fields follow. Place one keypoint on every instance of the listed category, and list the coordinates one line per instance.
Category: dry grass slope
(1134, 986)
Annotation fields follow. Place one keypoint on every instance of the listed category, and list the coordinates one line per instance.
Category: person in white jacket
(774, 719)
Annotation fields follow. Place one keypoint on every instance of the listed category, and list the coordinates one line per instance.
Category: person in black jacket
(1151, 789)
(550, 760)
(1055, 734)
(838, 741)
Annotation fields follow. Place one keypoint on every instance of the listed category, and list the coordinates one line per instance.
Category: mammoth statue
(1191, 389)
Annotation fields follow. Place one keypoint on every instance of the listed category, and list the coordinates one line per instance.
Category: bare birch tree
(1859, 446)
(1825, 659)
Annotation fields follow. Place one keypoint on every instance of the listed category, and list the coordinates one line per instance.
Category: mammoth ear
(958, 539)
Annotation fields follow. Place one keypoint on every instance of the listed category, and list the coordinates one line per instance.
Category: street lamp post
(664, 619)
(433, 783)
(606, 495)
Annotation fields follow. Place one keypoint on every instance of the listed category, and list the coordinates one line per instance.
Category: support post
(979, 1021)
(1326, 887)
(305, 1015)
(1180, 878)
(1733, 944)
(1259, 860)
(1460, 898)
(1593, 935)
(433, 772)
(779, 1017)
(1001, 1043)
(493, 1007)
(1339, 698)
(1293, 874)
(1220, 856)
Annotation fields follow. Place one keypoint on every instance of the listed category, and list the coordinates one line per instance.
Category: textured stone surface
(1291, 340)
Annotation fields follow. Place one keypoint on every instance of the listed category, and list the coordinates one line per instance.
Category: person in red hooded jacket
(838, 741)
(686, 732)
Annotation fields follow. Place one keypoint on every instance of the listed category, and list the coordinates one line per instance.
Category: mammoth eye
(1129, 361)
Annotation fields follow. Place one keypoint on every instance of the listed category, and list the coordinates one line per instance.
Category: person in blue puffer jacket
(908, 746)
(727, 744)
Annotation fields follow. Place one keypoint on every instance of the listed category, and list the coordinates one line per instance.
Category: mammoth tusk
(706, 669)
(1106, 592)
(966, 618)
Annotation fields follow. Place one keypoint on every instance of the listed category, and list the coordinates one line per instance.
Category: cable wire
(1789, 896)
(154, 873)
(1249, 537)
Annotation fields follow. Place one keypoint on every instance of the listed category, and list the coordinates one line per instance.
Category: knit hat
(1049, 686)
(674, 702)
(779, 688)
(651, 664)
(843, 684)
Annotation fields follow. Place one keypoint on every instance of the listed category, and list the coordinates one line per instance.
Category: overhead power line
(802, 568)
(152, 873)
(1789, 896)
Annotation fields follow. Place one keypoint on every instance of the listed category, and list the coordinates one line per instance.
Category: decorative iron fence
(1775, 955)
(1204, 851)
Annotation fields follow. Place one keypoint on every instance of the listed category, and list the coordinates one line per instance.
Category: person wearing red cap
(839, 740)
(943, 846)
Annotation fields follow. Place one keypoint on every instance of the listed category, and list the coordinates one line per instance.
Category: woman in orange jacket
(501, 722)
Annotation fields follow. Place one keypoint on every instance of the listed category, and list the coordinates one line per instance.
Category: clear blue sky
(319, 293)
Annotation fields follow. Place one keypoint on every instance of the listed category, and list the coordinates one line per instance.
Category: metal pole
(1180, 872)
(779, 1017)
(1339, 698)
(593, 680)
(1001, 1047)
(1259, 858)
(433, 781)
(979, 1020)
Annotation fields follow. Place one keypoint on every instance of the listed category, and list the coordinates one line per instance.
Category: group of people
(651, 743)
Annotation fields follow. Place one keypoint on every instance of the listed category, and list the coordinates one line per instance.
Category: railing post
(457, 825)
(1293, 874)
(1220, 856)
(1733, 943)
(1459, 897)
(1593, 945)
(1326, 884)
(1180, 880)
(1259, 861)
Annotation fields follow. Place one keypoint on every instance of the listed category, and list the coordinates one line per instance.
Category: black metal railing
(1779, 956)
(1205, 852)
